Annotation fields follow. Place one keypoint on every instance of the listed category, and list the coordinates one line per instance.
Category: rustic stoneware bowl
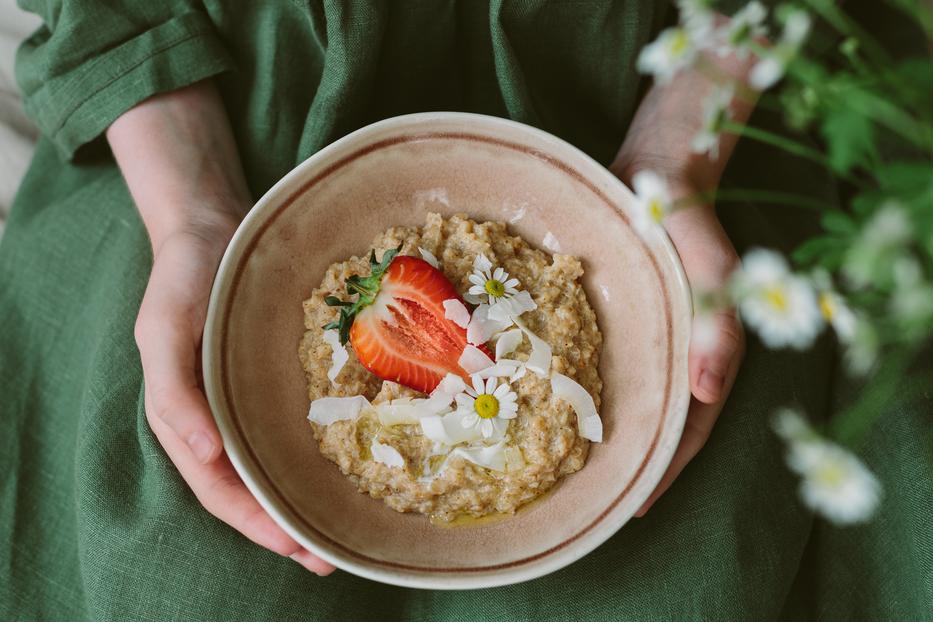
(394, 172)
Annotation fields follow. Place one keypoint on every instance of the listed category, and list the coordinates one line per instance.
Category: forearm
(669, 117)
(178, 157)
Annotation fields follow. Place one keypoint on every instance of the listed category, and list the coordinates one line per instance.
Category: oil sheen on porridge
(542, 440)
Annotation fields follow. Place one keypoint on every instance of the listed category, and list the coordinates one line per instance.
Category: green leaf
(849, 137)
(821, 251)
(839, 223)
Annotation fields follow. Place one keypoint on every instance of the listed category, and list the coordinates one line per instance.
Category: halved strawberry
(397, 326)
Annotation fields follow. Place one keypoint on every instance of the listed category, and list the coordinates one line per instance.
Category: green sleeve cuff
(74, 108)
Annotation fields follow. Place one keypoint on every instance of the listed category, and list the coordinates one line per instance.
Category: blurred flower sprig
(867, 276)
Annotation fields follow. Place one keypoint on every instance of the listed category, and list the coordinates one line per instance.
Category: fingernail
(308, 562)
(201, 446)
(711, 383)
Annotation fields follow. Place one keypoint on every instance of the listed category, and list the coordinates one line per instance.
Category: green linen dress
(95, 522)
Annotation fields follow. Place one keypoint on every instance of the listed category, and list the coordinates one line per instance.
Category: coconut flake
(481, 328)
(448, 429)
(386, 454)
(507, 342)
(502, 368)
(443, 394)
(473, 360)
(327, 410)
(338, 355)
(403, 411)
(572, 392)
(489, 457)
(540, 359)
(429, 257)
(456, 312)
(507, 309)
(514, 460)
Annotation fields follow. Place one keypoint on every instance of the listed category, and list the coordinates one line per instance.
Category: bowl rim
(533, 567)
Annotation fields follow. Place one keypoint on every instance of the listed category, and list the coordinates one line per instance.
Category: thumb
(718, 342)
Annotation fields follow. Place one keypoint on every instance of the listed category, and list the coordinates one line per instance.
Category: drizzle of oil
(466, 520)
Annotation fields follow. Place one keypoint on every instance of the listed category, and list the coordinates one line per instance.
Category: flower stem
(776, 140)
(768, 196)
(883, 392)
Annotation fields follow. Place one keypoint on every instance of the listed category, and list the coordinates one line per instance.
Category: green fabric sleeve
(93, 61)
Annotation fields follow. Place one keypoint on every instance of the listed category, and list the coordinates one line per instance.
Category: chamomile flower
(715, 115)
(745, 26)
(493, 282)
(487, 406)
(770, 69)
(673, 51)
(697, 16)
(833, 482)
(653, 200)
(780, 306)
(875, 249)
(490, 281)
(833, 307)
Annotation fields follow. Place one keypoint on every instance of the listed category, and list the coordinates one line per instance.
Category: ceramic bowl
(393, 173)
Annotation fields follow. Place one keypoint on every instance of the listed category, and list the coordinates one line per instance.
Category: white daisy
(770, 69)
(862, 352)
(697, 16)
(487, 406)
(653, 200)
(715, 115)
(912, 300)
(833, 307)
(871, 253)
(505, 300)
(673, 51)
(736, 36)
(834, 482)
(778, 304)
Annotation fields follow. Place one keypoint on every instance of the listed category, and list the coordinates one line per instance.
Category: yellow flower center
(656, 210)
(776, 298)
(827, 306)
(830, 474)
(495, 288)
(486, 406)
(679, 42)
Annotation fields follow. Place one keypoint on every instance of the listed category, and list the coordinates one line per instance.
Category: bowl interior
(393, 173)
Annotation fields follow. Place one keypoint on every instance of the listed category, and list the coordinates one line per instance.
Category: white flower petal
(456, 312)
(482, 263)
(478, 281)
(539, 361)
(327, 410)
(339, 355)
(572, 392)
(386, 454)
(429, 257)
(473, 299)
(766, 73)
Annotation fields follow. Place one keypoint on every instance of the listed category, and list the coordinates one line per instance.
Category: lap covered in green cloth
(96, 522)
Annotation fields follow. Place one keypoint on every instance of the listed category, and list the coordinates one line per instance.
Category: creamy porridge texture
(391, 456)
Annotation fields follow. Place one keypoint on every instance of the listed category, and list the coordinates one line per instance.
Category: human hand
(183, 173)
(659, 140)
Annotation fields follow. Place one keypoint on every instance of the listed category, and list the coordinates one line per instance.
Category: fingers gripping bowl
(394, 174)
